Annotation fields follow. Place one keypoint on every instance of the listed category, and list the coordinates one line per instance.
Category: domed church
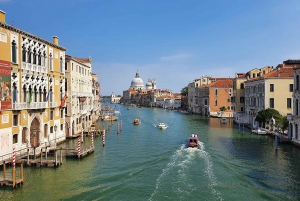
(138, 84)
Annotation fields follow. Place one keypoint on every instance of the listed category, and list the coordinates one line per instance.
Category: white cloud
(175, 57)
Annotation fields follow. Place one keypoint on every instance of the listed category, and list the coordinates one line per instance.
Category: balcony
(43, 69)
(19, 106)
(34, 67)
(53, 104)
(37, 105)
(84, 94)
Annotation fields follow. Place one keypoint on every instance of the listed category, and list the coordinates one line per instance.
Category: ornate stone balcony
(19, 106)
(53, 104)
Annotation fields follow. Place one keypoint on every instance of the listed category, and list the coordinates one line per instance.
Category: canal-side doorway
(34, 133)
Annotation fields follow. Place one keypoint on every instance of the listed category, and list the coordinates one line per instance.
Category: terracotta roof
(280, 72)
(228, 82)
(241, 75)
(83, 60)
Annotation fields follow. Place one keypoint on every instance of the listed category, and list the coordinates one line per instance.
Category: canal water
(142, 162)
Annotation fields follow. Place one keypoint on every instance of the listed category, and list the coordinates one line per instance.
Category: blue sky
(174, 41)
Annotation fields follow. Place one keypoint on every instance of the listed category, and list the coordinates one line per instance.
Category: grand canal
(145, 163)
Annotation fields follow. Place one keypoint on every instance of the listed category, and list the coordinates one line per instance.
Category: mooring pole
(4, 170)
(60, 156)
(41, 157)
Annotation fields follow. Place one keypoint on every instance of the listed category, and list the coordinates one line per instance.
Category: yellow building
(239, 114)
(271, 90)
(32, 90)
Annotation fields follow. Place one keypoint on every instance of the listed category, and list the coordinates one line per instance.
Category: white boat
(223, 120)
(162, 126)
(259, 131)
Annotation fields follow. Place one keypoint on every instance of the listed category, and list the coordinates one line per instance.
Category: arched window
(61, 64)
(40, 59)
(14, 52)
(297, 82)
(44, 59)
(50, 61)
(29, 55)
(24, 93)
(216, 92)
(34, 56)
(296, 107)
(15, 93)
(296, 131)
(216, 102)
(24, 53)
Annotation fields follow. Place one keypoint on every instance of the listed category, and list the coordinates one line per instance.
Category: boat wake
(183, 172)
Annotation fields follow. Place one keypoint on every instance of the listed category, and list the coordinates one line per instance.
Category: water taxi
(136, 121)
(162, 126)
(193, 141)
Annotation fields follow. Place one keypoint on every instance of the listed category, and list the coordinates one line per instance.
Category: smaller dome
(148, 84)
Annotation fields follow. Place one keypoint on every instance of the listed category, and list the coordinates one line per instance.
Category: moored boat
(193, 141)
(259, 131)
(223, 120)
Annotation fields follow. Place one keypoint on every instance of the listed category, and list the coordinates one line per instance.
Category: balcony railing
(52, 104)
(19, 106)
(37, 105)
(84, 94)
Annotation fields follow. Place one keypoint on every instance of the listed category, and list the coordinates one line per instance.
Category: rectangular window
(289, 103)
(15, 120)
(271, 87)
(242, 100)
(15, 138)
(242, 109)
(51, 129)
(51, 115)
(24, 135)
(271, 102)
(291, 87)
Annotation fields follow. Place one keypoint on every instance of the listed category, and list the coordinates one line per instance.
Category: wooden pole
(55, 157)
(22, 172)
(60, 155)
(41, 159)
(46, 153)
(4, 170)
(14, 176)
(28, 157)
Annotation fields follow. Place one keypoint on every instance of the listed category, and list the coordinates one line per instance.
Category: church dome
(137, 82)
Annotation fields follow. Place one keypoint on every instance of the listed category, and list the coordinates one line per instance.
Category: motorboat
(259, 131)
(193, 141)
(162, 125)
(136, 121)
(223, 121)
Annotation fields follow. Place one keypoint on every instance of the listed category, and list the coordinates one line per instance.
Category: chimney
(2, 16)
(55, 40)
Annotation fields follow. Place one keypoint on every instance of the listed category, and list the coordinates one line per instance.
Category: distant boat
(128, 108)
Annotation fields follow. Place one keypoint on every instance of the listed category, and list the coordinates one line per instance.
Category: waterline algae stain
(145, 163)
